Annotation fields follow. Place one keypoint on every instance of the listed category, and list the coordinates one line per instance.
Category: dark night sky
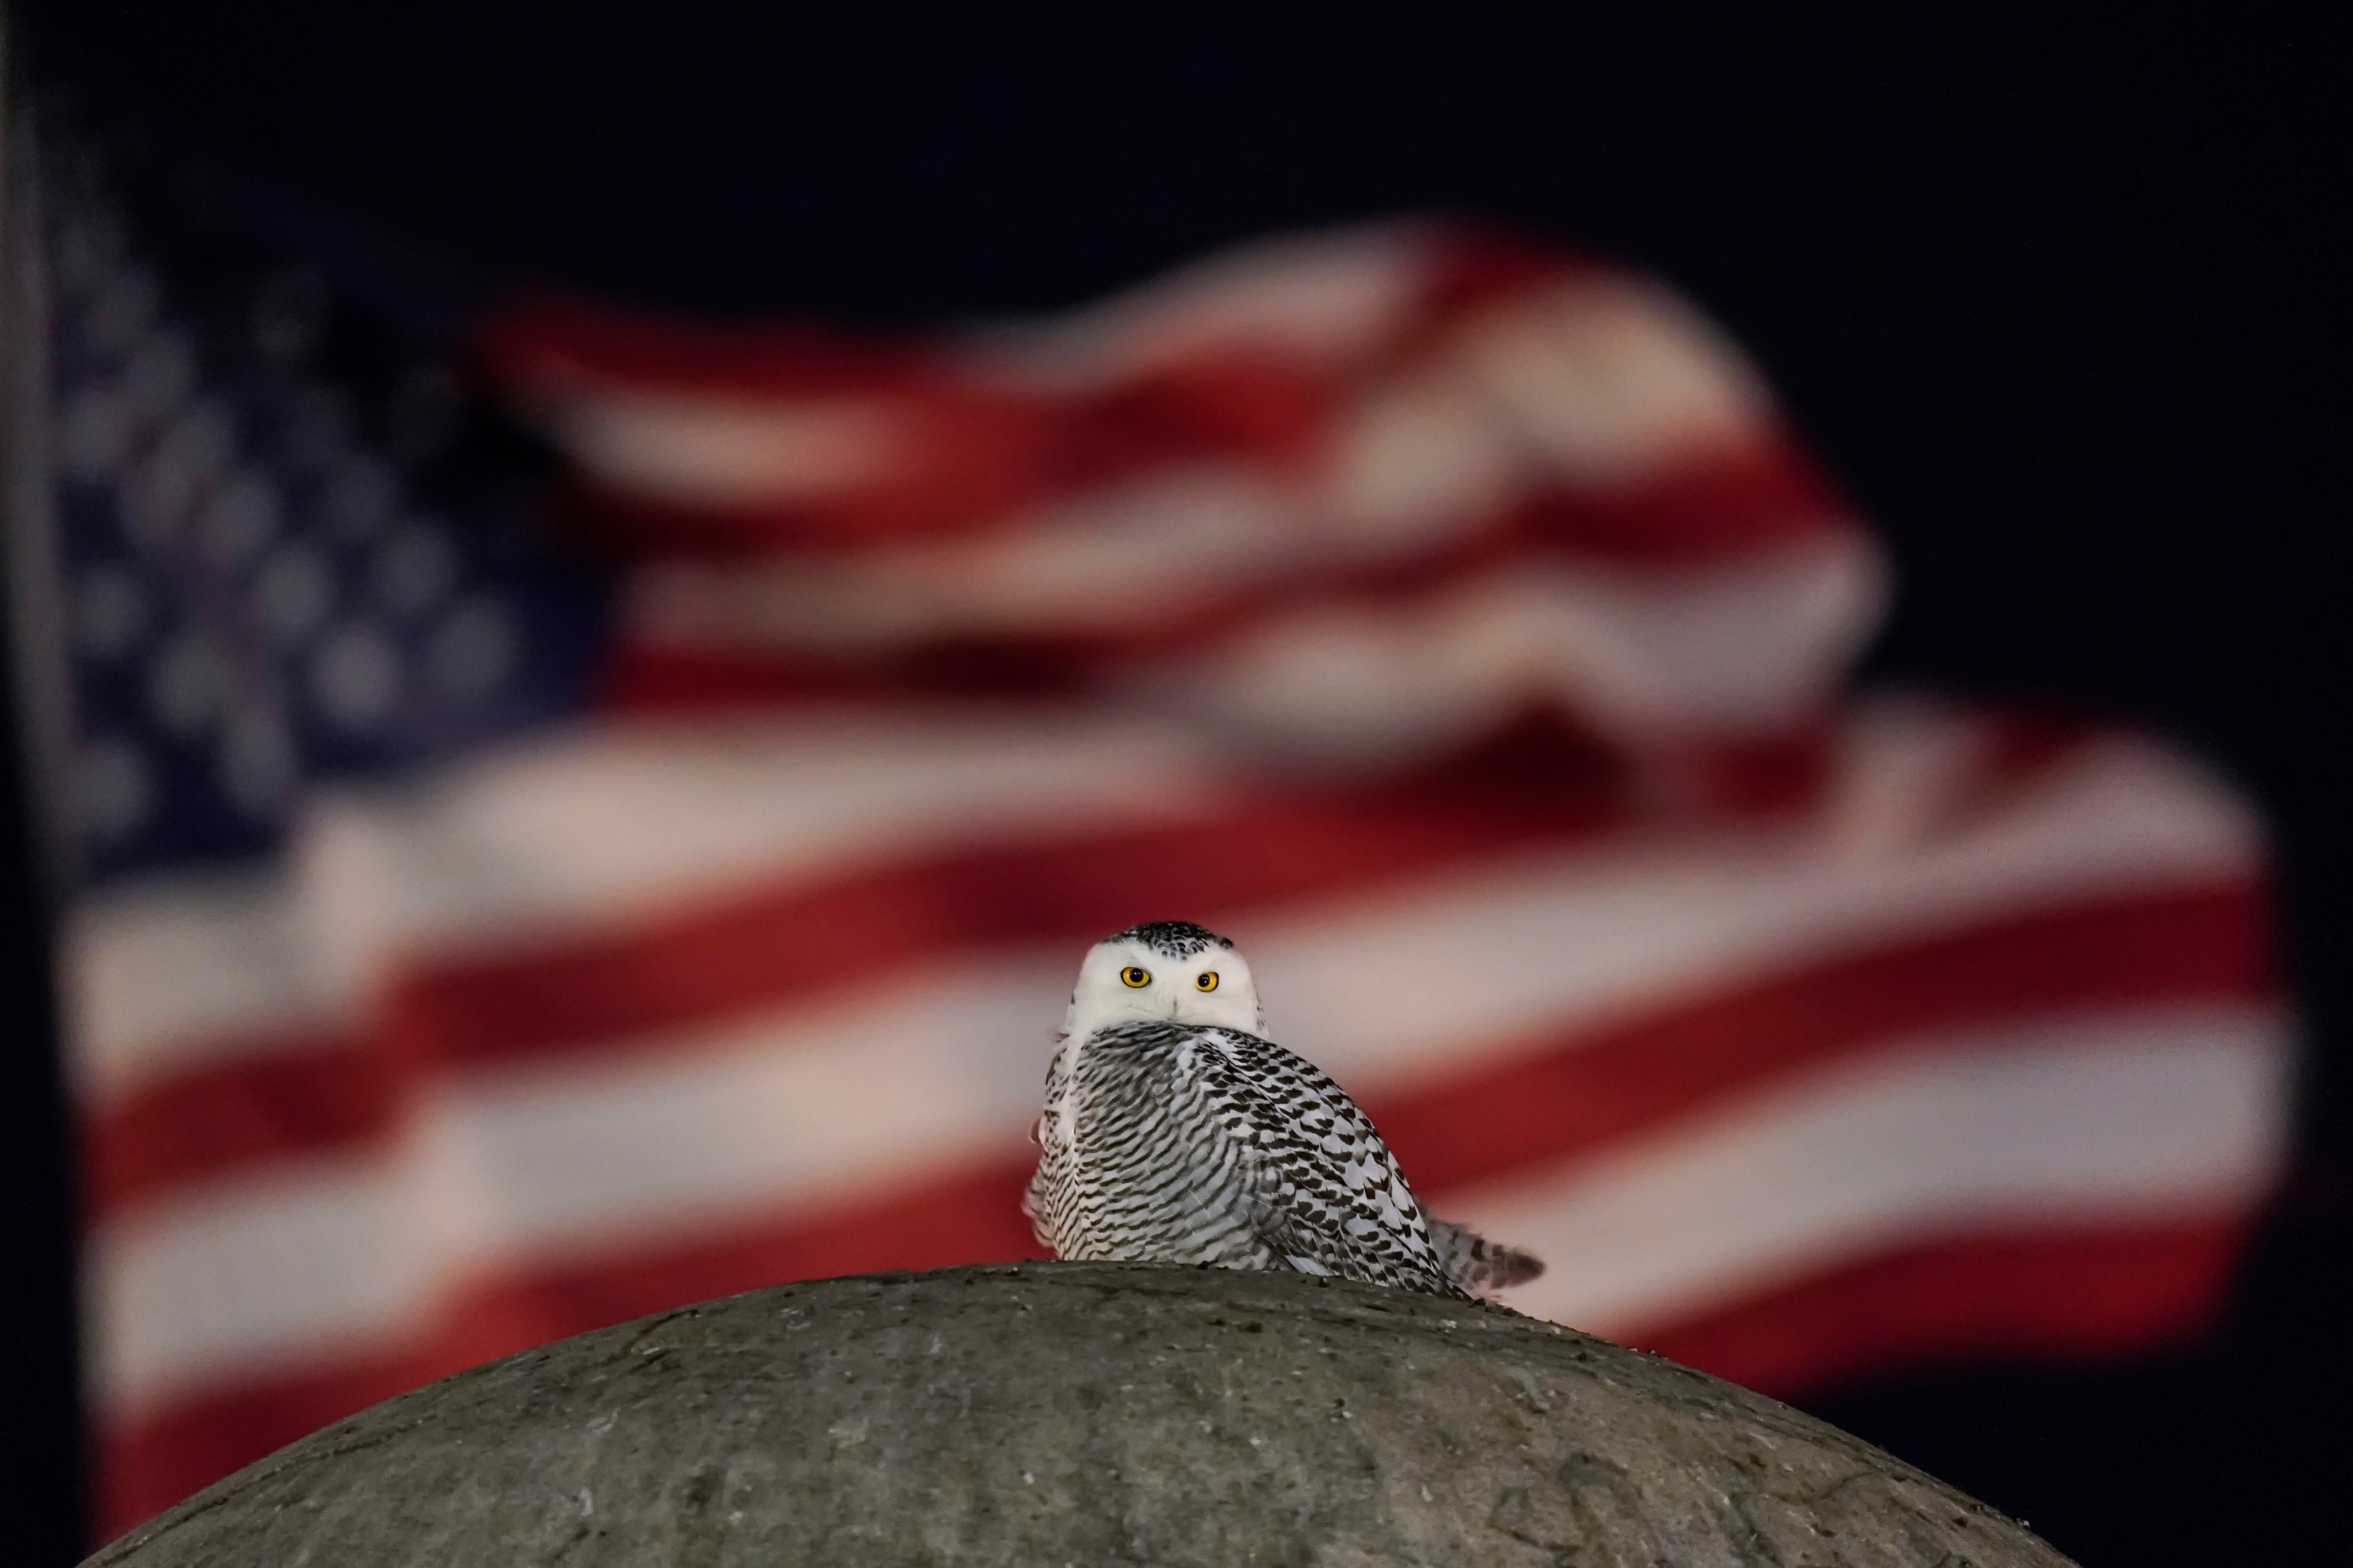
(2060, 302)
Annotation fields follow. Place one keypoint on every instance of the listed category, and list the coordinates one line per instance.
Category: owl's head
(1166, 969)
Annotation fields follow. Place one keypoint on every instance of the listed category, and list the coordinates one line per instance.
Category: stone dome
(1081, 1413)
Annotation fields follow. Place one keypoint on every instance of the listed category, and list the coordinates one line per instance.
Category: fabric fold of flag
(601, 812)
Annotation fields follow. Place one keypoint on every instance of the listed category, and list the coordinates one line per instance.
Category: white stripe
(1134, 558)
(249, 1275)
(176, 969)
(2167, 1114)
(325, 1259)
(803, 1109)
(584, 831)
(706, 448)
(1613, 380)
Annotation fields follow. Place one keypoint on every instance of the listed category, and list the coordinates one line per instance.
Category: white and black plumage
(1175, 1132)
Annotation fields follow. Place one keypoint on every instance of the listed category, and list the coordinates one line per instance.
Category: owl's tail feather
(1480, 1266)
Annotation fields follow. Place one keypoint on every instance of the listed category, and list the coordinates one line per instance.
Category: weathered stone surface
(1079, 1414)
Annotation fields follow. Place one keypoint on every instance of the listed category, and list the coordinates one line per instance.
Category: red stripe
(972, 1216)
(1474, 272)
(1709, 507)
(2078, 1292)
(146, 1466)
(1568, 1097)
(963, 460)
(535, 338)
(1542, 1101)
(805, 943)
(287, 1099)
(2089, 1290)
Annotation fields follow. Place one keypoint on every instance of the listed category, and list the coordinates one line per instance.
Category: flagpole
(45, 1487)
(35, 608)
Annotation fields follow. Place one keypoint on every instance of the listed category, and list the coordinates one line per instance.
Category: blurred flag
(471, 947)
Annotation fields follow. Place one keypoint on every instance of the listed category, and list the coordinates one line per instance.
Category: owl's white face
(1125, 979)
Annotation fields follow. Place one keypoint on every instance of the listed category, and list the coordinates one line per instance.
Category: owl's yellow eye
(1206, 980)
(1134, 976)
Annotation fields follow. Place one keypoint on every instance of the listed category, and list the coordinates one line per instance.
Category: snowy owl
(1174, 1132)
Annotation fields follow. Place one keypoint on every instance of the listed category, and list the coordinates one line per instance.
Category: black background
(2059, 300)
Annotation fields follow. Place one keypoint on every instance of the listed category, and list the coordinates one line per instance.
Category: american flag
(574, 813)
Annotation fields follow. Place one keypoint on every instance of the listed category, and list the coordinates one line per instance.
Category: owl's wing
(1038, 1198)
(1324, 1191)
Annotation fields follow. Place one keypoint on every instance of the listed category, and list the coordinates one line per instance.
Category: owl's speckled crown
(1172, 938)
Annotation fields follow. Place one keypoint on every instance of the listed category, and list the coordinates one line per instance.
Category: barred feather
(1480, 1266)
